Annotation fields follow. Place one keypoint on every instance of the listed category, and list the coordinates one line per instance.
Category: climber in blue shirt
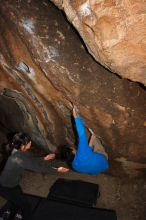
(89, 158)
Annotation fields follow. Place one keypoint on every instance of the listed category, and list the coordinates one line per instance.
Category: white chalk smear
(23, 67)
(51, 53)
(28, 26)
(85, 9)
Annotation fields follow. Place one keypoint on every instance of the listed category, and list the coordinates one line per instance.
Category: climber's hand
(75, 111)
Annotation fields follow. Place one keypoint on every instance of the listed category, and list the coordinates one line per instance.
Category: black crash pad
(53, 210)
(76, 192)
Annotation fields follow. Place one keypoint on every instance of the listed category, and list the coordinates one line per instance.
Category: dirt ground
(127, 197)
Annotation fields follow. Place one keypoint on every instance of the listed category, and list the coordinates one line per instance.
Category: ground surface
(128, 198)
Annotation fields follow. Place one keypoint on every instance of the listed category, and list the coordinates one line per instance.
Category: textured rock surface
(113, 31)
(44, 66)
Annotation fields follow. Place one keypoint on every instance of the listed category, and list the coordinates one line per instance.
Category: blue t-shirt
(86, 160)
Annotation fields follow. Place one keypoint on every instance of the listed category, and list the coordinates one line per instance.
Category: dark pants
(18, 199)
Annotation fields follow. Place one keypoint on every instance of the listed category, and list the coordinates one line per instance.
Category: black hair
(65, 154)
(20, 139)
(15, 140)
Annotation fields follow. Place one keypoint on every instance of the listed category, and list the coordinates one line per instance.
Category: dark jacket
(19, 161)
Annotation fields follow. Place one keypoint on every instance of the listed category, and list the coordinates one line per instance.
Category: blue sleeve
(82, 137)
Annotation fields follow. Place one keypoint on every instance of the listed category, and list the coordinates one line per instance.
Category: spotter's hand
(62, 170)
(49, 156)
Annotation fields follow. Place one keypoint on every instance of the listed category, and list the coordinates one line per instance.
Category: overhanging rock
(114, 33)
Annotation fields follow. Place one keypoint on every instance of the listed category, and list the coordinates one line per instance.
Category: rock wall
(113, 31)
(44, 66)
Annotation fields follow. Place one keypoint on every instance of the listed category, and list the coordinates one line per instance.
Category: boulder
(114, 33)
(44, 67)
